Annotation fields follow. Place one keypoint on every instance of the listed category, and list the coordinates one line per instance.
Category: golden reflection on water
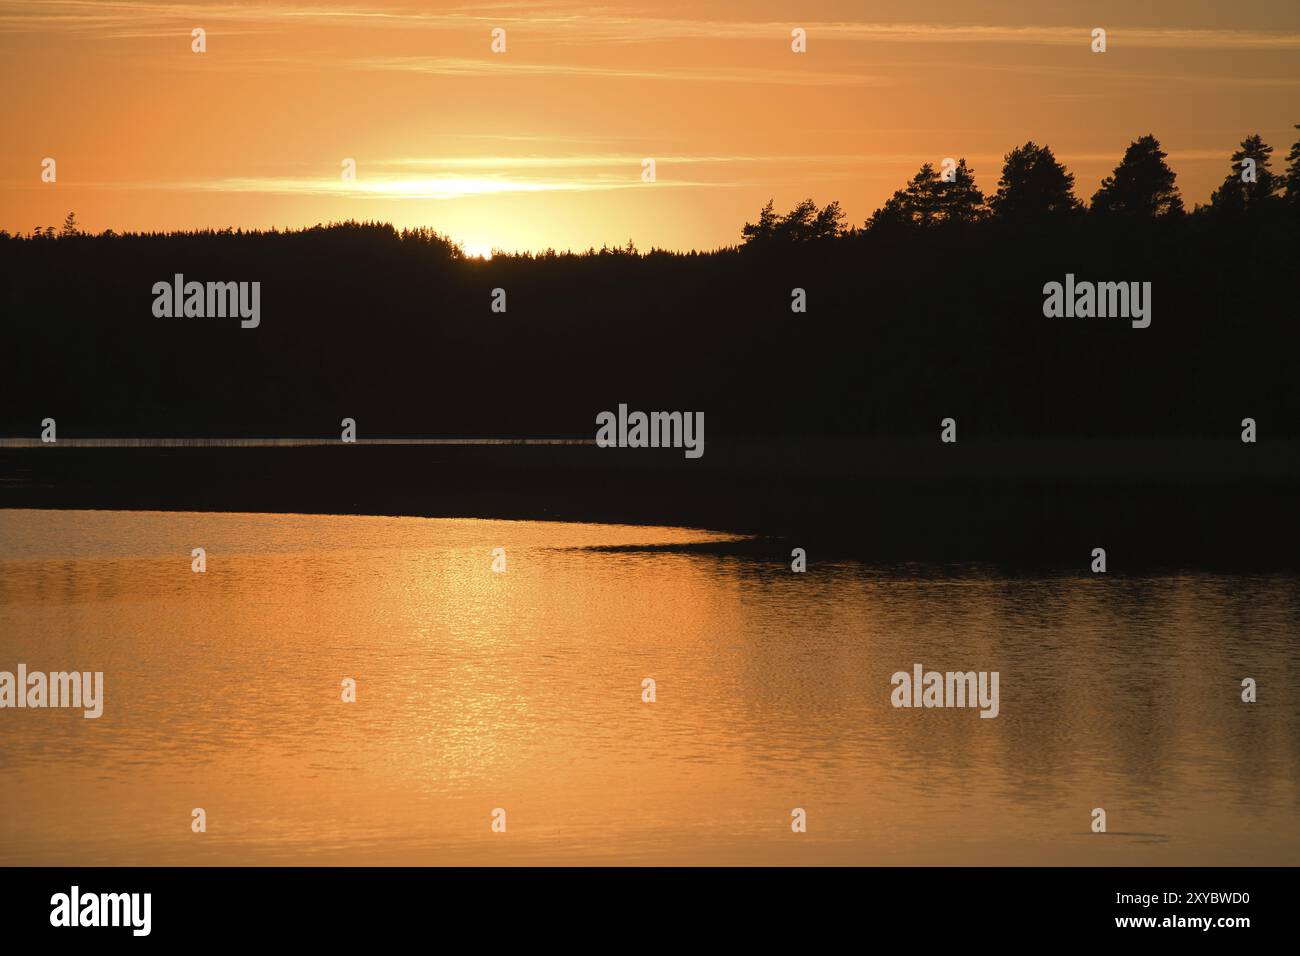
(522, 690)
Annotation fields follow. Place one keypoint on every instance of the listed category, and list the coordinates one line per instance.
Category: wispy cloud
(462, 177)
(428, 187)
(583, 23)
(466, 177)
(453, 66)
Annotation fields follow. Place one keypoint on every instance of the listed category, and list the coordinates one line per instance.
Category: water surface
(523, 690)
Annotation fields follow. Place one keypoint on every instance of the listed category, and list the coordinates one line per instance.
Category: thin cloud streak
(459, 66)
(625, 174)
(441, 188)
(592, 24)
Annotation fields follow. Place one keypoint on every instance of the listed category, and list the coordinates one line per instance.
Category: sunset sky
(542, 146)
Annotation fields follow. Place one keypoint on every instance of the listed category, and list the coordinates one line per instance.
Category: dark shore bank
(1038, 506)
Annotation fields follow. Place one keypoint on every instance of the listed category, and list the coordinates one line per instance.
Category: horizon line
(274, 442)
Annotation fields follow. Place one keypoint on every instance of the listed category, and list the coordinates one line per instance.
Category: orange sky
(542, 145)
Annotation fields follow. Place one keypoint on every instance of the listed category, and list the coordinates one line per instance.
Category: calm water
(522, 690)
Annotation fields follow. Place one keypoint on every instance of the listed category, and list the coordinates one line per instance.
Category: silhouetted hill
(904, 326)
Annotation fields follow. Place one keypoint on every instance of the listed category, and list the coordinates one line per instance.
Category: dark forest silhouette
(931, 308)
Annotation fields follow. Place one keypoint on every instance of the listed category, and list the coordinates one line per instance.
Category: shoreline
(1196, 504)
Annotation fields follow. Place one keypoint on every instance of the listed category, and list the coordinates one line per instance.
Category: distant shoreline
(272, 442)
(1196, 504)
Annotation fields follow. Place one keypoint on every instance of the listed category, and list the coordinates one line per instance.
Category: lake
(522, 690)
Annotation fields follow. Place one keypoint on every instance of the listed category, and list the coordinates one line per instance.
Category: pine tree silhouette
(1248, 188)
(1033, 185)
(1291, 178)
(1142, 185)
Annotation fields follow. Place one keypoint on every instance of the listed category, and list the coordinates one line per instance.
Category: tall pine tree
(1033, 186)
(1251, 185)
(1142, 185)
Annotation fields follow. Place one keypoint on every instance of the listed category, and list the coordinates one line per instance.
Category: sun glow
(477, 250)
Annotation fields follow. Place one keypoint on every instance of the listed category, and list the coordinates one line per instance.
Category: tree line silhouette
(1035, 188)
(931, 308)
